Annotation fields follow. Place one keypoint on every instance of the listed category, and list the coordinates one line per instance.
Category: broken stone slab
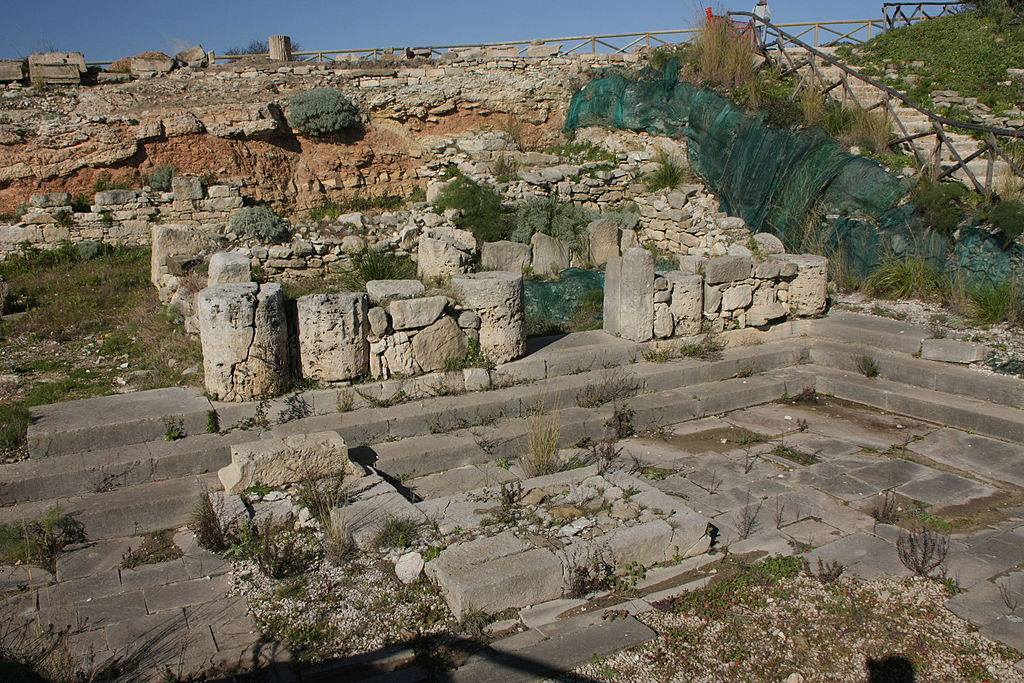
(604, 241)
(382, 290)
(953, 351)
(372, 503)
(766, 313)
(186, 187)
(737, 297)
(629, 296)
(808, 292)
(410, 314)
(194, 56)
(50, 200)
(151, 63)
(275, 462)
(550, 255)
(332, 336)
(244, 333)
(442, 252)
(497, 297)
(227, 267)
(495, 573)
(726, 269)
(436, 346)
(506, 255)
(12, 70)
(687, 302)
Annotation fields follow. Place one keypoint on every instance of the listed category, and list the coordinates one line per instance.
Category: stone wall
(709, 294)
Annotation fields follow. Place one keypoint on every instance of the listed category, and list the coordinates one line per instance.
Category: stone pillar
(244, 333)
(332, 336)
(280, 48)
(497, 297)
(629, 296)
(808, 292)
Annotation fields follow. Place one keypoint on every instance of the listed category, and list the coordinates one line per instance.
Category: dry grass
(869, 129)
(541, 455)
(724, 60)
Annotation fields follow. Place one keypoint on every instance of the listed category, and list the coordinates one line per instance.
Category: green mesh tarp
(778, 178)
(558, 299)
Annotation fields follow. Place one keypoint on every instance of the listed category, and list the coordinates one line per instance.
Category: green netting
(557, 300)
(778, 178)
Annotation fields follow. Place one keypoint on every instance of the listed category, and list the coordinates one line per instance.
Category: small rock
(408, 567)
(533, 497)
(561, 512)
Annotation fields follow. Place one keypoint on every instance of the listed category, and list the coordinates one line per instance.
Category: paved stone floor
(179, 614)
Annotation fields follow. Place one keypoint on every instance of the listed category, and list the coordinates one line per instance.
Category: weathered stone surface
(664, 326)
(158, 63)
(726, 269)
(765, 313)
(808, 292)
(353, 244)
(434, 346)
(174, 241)
(737, 297)
(497, 297)
(228, 266)
(505, 255)
(604, 241)
(275, 462)
(244, 334)
(187, 187)
(953, 351)
(11, 70)
(56, 67)
(550, 255)
(332, 336)
(379, 290)
(409, 567)
(687, 304)
(768, 243)
(50, 199)
(629, 296)
(378, 319)
(543, 50)
(194, 56)
(444, 252)
(115, 197)
(394, 356)
(410, 314)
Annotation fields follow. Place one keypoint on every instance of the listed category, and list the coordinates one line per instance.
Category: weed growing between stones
(296, 407)
(621, 422)
(886, 510)
(206, 526)
(923, 552)
(613, 385)
(280, 549)
(541, 455)
(174, 429)
(155, 548)
(590, 573)
(212, 422)
(39, 541)
(397, 533)
(794, 455)
(670, 173)
(867, 367)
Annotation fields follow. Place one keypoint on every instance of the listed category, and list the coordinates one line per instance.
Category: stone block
(11, 70)
(629, 289)
(808, 292)
(736, 298)
(50, 199)
(604, 241)
(434, 346)
(953, 351)
(768, 243)
(332, 336)
(56, 67)
(765, 313)
(410, 314)
(726, 269)
(543, 50)
(444, 252)
(550, 255)
(186, 187)
(227, 267)
(381, 290)
(279, 461)
(221, 204)
(194, 56)
(497, 297)
(687, 302)
(244, 333)
(505, 255)
(174, 241)
(158, 63)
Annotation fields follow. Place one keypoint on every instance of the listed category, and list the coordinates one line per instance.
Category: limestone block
(434, 190)
(158, 63)
(410, 314)
(629, 296)
(550, 255)
(275, 462)
(543, 50)
(692, 265)
(50, 199)
(953, 351)
(187, 187)
(175, 241)
(194, 56)
(409, 567)
(438, 344)
(505, 255)
(382, 290)
(397, 357)
(628, 240)
(116, 197)
(11, 70)
(687, 304)
(765, 313)
(737, 297)
(182, 123)
(768, 270)
(664, 326)
(712, 299)
(56, 67)
(353, 244)
(604, 241)
(332, 336)
(228, 267)
(378, 319)
(221, 203)
(469, 320)
(808, 292)
(768, 243)
(497, 297)
(244, 335)
(726, 269)
(444, 252)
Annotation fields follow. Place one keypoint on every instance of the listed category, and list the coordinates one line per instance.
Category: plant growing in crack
(923, 552)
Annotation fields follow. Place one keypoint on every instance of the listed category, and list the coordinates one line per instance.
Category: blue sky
(115, 28)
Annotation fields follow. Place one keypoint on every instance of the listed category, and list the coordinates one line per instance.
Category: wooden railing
(804, 61)
(905, 13)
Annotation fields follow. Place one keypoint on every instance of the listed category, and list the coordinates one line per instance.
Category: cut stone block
(497, 297)
(11, 70)
(275, 462)
(726, 269)
(437, 345)
(332, 336)
(186, 187)
(444, 252)
(410, 314)
(379, 290)
(50, 199)
(604, 241)
(228, 266)
(808, 292)
(953, 351)
(687, 303)
(550, 255)
(629, 296)
(505, 255)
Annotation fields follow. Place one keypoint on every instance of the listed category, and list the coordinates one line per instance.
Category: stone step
(969, 414)
(871, 331)
(925, 374)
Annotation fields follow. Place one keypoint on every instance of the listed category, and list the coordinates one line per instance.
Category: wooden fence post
(280, 48)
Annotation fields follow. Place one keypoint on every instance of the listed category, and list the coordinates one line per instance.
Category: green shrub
(14, 419)
(940, 203)
(836, 118)
(905, 278)
(376, 265)
(480, 207)
(160, 178)
(322, 111)
(260, 222)
(670, 173)
(996, 302)
(558, 219)
(1008, 216)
